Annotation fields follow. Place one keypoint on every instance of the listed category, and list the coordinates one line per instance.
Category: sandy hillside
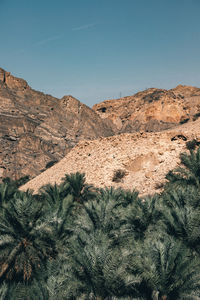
(144, 157)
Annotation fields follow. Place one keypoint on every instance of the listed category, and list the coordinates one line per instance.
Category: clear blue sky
(100, 49)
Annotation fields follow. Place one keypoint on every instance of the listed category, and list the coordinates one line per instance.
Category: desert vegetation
(74, 241)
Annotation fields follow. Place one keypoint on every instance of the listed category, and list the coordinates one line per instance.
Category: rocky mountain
(135, 160)
(37, 130)
(152, 110)
(138, 137)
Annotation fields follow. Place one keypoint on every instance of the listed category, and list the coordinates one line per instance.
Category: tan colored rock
(145, 158)
(11, 81)
(152, 110)
(36, 129)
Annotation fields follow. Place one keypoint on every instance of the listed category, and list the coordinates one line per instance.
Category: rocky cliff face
(142, 159)
(37, 129)
(152, 110)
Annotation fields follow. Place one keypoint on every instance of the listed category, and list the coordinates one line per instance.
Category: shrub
(51, 163)
(191, 145)
(183, 121)
(118, 175)
(196, 116)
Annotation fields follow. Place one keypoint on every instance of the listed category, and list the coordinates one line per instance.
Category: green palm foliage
(23, 291)
(99, 269)
(3, 291)
(16, 183)
(168, 270)
(129, 197)
(181, 217)
(26, 240)
(7, 192)
(98, 263)
(51, 193)
(75, 242)
(62, 222)
(8, 188)
(54, 195)
(59, 210)
(103, 214)
(189, 174)
(181, 196)
(140, 216)
(117, 194)
(78, 188)
(58, 277)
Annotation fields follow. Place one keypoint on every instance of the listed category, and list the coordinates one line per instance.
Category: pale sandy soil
(145, 157)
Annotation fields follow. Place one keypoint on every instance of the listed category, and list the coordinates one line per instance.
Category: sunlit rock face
(38, 129)
(143, 159)
(152, 110)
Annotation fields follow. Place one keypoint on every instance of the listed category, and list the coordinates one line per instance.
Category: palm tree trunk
(10, 259)
(155, 295)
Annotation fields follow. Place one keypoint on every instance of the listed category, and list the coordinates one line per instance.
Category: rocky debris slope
(37, 130)
(152, 110)
(138, 160)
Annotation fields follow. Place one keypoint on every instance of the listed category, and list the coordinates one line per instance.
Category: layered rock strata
(37, 130)
(152, 110)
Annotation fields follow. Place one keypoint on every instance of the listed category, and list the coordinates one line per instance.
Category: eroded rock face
(152, 110)
(36, 129)
(143, 158)
(13, 82)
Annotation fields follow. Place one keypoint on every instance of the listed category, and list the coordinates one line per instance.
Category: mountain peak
(12, 81)
(152, 109)
(37, 129)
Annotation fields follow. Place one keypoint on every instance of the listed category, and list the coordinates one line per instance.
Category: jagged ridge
(152, 110)
(36, 129)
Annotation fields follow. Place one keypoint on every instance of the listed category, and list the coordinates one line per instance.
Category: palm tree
(59, 210)
(140, 216)
(78, 188)
(7, 192)
(36, 289)
(129, 197)
(183, 223)
(3, 291)
(181, 197)
(189, 174)
(26, 239)
(96, 260)
(8, 188)
(168, 269)
(54, 194)
(98, 269)
(57, 273)
(102, 213)
(16, 183)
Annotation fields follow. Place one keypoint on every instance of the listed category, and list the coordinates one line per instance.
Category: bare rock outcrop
(38, 129)
(152, 110)
(142, 159)
(11, 81)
